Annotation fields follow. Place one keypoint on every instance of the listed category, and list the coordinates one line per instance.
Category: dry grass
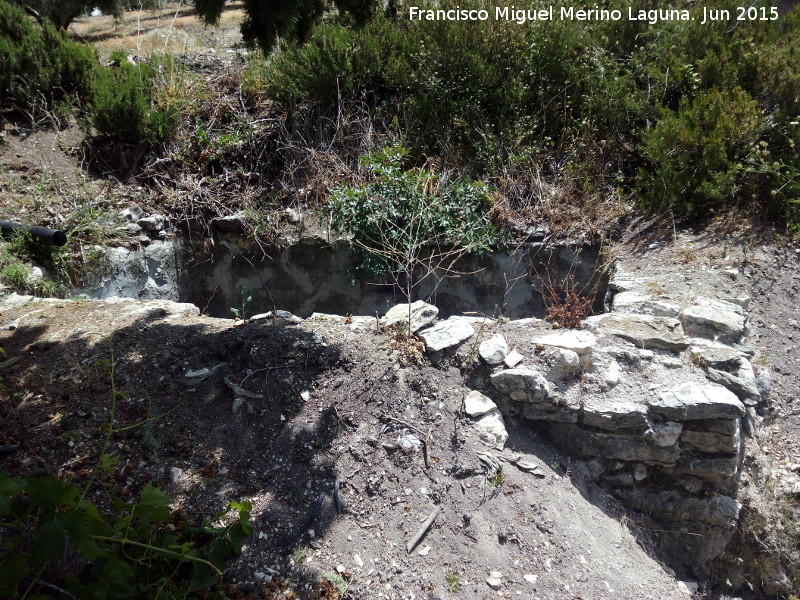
(176, 29)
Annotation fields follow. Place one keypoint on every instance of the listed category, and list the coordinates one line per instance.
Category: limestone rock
(131, 214)
(494, 350)
(609, 373)
(690, 401)
(610, 414)
(513, 359)
(622, 283)
(643, 330)
(744, 387)
(422, 314)
(446, 334)
(713, 442)
(492, 429)
(521, 384)
(580, 342)
(764, 382)
(714, 319)
(714, 469)
(638, 302)
(663, 434)
(671, 506)
(152, 223)
(608, 445)
(231, 223)
(716, 356)
(563, 363)
(476, 404)
(551, 412)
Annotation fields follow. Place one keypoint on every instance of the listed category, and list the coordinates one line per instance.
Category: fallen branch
(424, 529)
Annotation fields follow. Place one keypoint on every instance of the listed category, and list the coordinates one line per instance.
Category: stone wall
(309, 275)
(657, 399)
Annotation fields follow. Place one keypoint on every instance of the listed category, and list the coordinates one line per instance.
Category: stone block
(446, 334)
(606, 413)
(644, 331)
(422, 314)
(690, 401)
(606, 445)
(521, 384)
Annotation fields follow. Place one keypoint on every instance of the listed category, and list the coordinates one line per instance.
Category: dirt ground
(326, 401)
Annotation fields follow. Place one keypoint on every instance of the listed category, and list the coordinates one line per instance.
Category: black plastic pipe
(44, 235)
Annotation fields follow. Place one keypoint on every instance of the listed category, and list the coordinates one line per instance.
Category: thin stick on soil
(424, 529)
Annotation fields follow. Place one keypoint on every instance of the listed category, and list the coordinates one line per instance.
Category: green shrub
(410, 223)
(137, 552)
(124, 106)
(697, 155)
(42, 67)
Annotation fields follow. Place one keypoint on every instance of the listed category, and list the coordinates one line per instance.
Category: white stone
(689, 587)
(714, 319)
(494, 350)
(563, 363)
(35, 276)
(513, 359)
(530, 578)
(663, 435)
(152, 223)
(492, 429)
(610, 375)
(638, 302)
(645, 331)
(424, 551)
(476, 404)
(580, 342)
(690, 401)
(494, 583)
(231, 223)
(446, 334)
(132, 214)
(422, 314)
(175, 474)
(522, 384)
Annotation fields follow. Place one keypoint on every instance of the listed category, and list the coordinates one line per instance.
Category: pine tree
(267, 20)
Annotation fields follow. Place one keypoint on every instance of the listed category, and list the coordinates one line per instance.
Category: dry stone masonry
(654, 398)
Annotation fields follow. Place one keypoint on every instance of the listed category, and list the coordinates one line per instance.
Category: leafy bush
(124, 105)
(696, 155)
(135, 553)
(41, 65)
(514, 103)
(411, 223)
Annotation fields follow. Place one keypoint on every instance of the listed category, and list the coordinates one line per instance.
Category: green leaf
(49, 493)
(50, 539)
(107, 463)
(13, 568)
(154, 504)
(79, 531)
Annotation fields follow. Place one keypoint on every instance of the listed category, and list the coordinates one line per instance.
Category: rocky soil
(285, 413)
